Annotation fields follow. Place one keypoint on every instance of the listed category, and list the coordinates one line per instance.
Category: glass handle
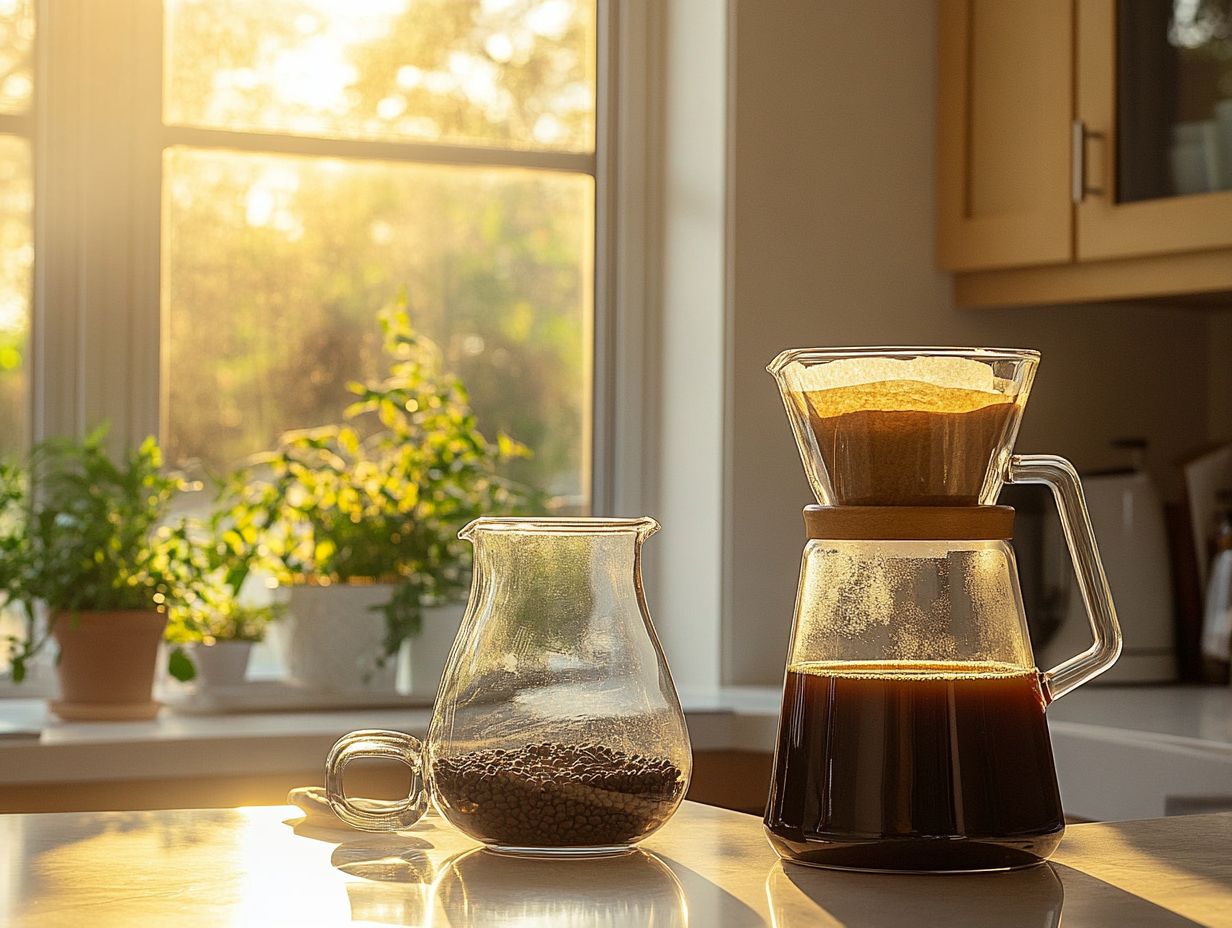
(1059, 475)
(376, 814)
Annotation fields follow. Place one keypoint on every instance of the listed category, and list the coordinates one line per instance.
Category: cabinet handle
(1079, 136)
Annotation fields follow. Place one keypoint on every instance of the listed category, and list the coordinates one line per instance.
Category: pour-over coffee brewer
(912, 734)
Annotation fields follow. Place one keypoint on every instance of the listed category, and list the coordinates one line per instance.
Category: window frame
(22, 126)
(99, 304)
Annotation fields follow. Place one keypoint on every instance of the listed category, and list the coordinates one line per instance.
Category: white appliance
(1128, 518)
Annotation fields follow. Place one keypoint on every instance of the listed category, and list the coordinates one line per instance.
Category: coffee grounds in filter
(905, 443)
(558, 795)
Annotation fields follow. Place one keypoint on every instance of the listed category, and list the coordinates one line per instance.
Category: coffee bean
(550, 794)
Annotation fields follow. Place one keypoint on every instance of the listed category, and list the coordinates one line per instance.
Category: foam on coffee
(913, 670)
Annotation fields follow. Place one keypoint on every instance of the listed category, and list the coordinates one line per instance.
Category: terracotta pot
(107, 662)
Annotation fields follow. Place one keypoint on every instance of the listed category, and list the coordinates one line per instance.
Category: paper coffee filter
(935, 384)
(955, 373)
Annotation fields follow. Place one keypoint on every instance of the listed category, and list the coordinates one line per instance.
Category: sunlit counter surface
(707, 867)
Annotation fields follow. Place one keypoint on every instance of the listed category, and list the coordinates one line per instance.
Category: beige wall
(688, 344)
(831, 244)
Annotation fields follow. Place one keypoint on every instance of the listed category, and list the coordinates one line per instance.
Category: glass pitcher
(556, 730)
(912, 734)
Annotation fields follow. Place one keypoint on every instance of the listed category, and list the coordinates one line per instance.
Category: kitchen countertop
(1197, 716)
(706, 867)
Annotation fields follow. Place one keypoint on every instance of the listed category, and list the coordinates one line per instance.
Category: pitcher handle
(1059, 476)
(376, 814)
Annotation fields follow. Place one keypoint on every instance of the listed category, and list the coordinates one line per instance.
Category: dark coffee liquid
(914, 767)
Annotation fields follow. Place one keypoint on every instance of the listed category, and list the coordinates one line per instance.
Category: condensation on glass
(930, 602)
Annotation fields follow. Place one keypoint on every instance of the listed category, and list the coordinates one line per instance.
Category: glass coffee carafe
(912, 734)
(556, 729)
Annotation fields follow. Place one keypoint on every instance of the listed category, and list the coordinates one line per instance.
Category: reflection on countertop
(1031, 897)
(707, 867)
(481, 888)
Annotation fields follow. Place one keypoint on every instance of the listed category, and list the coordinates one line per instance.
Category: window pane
(506, 73)
(16, 52)
(16, 198)
(276, 266)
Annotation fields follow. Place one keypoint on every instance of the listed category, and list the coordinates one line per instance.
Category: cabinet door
(1155, 100)
(1004, 110)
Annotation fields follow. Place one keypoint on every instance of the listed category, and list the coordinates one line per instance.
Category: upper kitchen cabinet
(1155, 114)
(1084, 149)
(1005, 103)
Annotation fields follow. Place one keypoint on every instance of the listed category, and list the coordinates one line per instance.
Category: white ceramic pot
(223, 663)
(430, 648)
(332, 638)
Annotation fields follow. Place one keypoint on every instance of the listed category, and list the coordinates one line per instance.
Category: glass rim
(569, 525)
(792, 355)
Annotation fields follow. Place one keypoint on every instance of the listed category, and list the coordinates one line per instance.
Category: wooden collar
(909, 523)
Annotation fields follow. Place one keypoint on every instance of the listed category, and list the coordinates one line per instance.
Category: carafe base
(615, 850)
(918, 854)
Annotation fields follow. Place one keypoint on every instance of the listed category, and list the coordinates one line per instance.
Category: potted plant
(212, 628)
(361, 519)
(84, 538)
(216, 639)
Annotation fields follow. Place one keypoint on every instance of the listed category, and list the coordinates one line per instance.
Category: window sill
(178, 745)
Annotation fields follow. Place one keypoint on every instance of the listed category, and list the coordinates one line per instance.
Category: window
(236, 188)
(322, 156)
(16, 235)
(228, 191)
(16, 231)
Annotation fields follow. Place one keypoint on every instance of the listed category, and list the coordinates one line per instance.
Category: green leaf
(180, 665)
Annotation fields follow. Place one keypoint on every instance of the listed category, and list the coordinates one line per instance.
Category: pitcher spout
(643, 527)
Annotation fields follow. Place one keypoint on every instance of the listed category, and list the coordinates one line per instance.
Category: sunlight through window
(276, 257)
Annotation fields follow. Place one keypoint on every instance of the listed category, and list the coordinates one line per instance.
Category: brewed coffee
(916, 767)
